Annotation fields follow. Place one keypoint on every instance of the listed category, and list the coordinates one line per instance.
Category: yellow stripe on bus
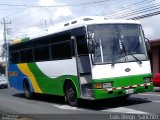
(25, 70)
(16, 41)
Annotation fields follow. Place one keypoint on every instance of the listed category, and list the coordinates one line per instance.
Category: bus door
(83, 66)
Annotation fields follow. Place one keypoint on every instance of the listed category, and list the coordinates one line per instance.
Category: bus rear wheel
(27, 90)
(71, 94)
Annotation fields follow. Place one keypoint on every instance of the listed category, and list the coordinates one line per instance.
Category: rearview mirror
(91, 47)
(147, 44)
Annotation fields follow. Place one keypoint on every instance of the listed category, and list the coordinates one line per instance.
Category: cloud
(61, 12)
(46, 2)
(35, 17)
(156, 1)
(57, 12)
(151, 27)
(35, 31)
(148, 31)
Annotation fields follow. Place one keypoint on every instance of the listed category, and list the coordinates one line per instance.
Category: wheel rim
(27, 91)
(71, 95)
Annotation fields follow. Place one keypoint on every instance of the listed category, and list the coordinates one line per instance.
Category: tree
(2, 69)
(3, 49)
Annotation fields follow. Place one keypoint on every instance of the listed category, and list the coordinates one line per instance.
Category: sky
(29, 20)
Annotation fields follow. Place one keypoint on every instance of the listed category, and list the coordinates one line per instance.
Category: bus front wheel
(71, 94)
(27, 90)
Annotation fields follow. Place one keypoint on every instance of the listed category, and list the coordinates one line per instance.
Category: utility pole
(6, 47)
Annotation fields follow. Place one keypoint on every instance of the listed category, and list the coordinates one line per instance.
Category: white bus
(87, 58)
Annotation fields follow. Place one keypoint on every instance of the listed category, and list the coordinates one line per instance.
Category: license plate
(106, 85)
(129, 91)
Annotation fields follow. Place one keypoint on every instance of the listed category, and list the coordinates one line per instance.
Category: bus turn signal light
(97, 85)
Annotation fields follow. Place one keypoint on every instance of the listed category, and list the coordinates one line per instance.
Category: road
(45, 107)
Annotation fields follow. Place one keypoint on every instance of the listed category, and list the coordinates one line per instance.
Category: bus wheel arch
(28, 90)
(70, 93)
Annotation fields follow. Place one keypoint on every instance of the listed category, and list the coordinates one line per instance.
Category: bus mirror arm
(147, 44)
(91, 46)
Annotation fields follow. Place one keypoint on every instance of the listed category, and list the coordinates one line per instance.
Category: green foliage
(2, 69)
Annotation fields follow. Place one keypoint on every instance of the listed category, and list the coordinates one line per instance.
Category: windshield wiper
(139, 61)
(113, 62)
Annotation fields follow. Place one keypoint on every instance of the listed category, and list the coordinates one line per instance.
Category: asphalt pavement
(13, 104)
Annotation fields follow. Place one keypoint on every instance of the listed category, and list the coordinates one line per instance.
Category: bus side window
(26, 55)
(14, 57)
(61, 50)
(41, 53)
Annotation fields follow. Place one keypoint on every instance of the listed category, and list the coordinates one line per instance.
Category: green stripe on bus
(51, 85)
(125, 80)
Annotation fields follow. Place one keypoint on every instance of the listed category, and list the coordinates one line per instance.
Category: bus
(89, 58)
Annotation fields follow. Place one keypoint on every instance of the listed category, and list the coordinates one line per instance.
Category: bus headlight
(107, 85)
(146, 80)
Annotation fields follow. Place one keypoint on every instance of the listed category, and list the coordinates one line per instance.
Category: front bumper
(121, 91)
(3, 83)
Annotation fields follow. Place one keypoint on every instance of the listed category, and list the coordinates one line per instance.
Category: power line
(137, 11)
(15, 18)
(127, 7)
(130, 10)
(87, 3)
(65, 17)
(10, 9)
(13, 14)
(145, 15)
(36, 6)
(82, 4)
(129, 15)
(88, 10)
(29, 34)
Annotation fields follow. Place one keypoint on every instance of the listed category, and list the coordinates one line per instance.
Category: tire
(6, 86)
(27, 90)
(127, 96)
(71, 94)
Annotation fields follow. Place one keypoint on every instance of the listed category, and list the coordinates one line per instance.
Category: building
(154, 55)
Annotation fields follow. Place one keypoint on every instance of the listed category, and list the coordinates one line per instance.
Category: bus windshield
(117, 43)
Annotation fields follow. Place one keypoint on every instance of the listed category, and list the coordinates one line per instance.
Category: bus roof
(79, 22)
(88, 20)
